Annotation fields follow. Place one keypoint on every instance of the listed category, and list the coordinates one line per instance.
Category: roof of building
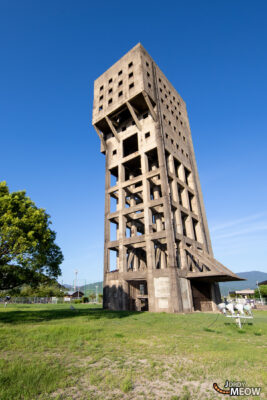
(71, 293)
(244, 291)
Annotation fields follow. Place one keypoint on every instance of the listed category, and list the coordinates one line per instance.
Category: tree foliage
(263, 291)
(41, 290)
(28, 252)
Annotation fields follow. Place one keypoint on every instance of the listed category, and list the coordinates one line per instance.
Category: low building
(78, 294)
(245, 293)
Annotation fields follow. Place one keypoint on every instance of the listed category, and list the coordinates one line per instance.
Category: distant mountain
(251, 278)
(69, 287)
(91, 288)
(87, 289)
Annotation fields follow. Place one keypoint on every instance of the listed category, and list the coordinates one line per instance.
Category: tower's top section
(127, 78)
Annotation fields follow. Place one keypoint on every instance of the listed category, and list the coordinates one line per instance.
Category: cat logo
(237, 389)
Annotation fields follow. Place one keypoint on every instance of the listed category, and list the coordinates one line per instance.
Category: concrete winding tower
(157, 252)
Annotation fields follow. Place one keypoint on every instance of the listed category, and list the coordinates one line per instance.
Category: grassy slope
(50, 351)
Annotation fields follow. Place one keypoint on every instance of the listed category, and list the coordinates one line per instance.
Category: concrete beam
(134, 116)
(149, 104)
(100, 137)
(110, 124)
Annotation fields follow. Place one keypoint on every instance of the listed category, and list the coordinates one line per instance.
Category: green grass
(53, 352)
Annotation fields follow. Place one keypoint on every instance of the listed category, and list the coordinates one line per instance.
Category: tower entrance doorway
(138, 296)
(201, 294)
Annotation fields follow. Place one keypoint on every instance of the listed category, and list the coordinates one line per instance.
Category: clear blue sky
(213, 52)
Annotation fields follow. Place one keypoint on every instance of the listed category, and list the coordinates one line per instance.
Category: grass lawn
(53, 352)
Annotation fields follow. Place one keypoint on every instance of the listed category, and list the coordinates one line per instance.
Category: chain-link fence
(45, 300)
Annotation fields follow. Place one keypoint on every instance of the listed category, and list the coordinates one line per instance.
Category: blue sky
(213, 52)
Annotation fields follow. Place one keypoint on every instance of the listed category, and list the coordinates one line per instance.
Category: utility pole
(76, 273)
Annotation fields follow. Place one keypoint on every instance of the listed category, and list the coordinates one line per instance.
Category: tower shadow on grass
(37, 316)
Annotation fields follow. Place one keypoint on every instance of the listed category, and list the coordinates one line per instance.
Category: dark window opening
(120, 72)
(148, 74)
(110, 101)
(114, 152)
(147, 135)
(177, 165)
(187, 175)
(184, 217)
(110, 91)
(100, 108)
(191, 198)
(155, 191)
(149, 85)
(120, 93)
(147, 64)
(123, 128)
(131, 85)
(132, 168)
(101, 97)
(131, 75)
(130, 145)
(145, 115)
(101, 88)
(152, 158)
(180, 191)
(130, 64)
(194, 223)
(110, 80)
(120, 83)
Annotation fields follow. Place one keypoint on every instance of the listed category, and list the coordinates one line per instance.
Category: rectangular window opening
(132, 168)
(113, 260)
(152, 159)
(114, 173)
(130, 145)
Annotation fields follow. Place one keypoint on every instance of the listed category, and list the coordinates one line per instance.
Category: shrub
(85, 299)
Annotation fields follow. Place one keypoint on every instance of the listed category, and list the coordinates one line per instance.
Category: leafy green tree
(263, 290)
(42, 290)
(28, 252)
(92, 296)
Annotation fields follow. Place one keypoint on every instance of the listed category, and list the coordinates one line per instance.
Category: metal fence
(40, 300)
